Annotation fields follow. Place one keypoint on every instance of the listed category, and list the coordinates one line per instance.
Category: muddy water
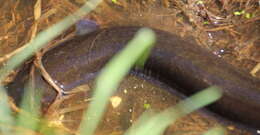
(144, 19)
(74, 62)
(174, 59)
(138, 93)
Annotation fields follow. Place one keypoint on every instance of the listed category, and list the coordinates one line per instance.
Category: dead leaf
(115, 101)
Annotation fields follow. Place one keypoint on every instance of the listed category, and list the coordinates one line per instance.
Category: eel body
(174, 60)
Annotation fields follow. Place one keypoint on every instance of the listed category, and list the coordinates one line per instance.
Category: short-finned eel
(176, 61)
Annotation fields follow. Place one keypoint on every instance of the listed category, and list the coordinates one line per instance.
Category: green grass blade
(215, 131)
(141, 61)
(111, 75)
(30, 105)
(168, 116)
(6, 117)
(44, 37)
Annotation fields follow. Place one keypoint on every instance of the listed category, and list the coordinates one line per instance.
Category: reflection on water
(219, 52)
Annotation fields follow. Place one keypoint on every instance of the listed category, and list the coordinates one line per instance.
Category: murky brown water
(136, 94)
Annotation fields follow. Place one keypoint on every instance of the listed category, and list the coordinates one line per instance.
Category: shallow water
(137, 93)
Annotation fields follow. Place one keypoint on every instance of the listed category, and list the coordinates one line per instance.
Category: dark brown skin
(175, 61)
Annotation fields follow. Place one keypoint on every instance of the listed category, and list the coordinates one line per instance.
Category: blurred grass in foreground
(110, 77)
(136, 52)
(107, 83)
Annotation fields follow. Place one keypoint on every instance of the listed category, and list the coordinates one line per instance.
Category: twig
(255, 70)
(39, 65)
(46, 75)
(220, 28)
(9, 55)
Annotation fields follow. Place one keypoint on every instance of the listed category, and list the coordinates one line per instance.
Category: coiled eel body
(174, 60)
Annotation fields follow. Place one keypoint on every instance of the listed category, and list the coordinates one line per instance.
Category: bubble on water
(219, 52)
(210, 35)
(62, 86)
